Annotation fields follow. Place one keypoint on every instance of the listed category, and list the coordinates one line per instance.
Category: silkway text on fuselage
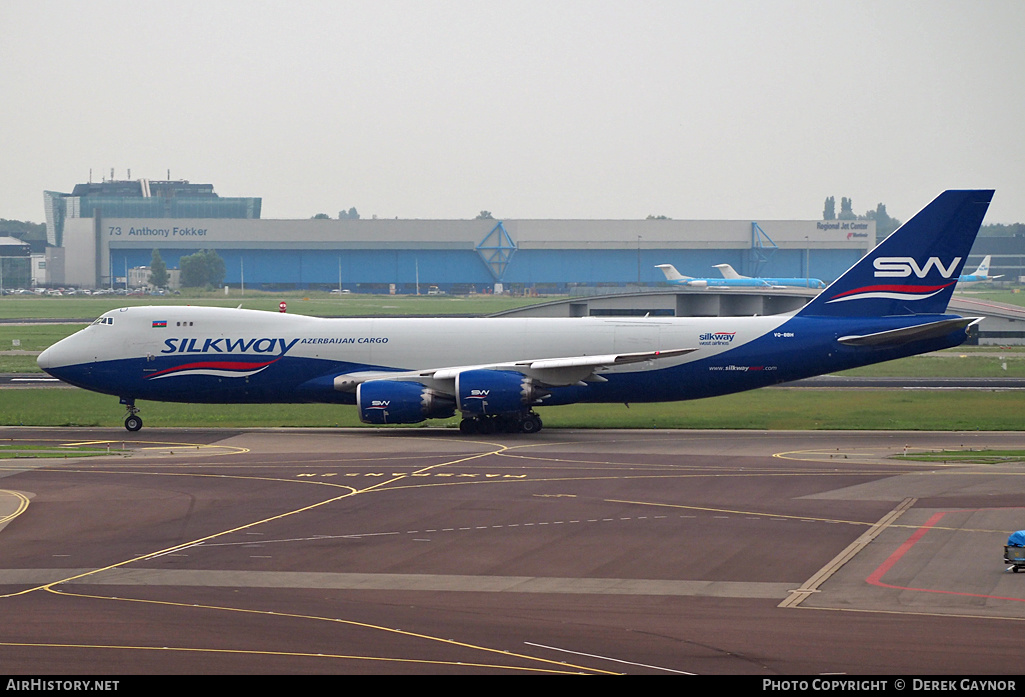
(264, 345)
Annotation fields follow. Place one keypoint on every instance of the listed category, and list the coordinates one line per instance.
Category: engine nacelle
(397, 402)
(495, 391)
(698, 284)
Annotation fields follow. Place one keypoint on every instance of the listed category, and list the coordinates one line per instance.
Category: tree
(157, 270)
(485, 215)
(205, 268)
(1000, 230)
(322, 216)
(829, 212)
(33, 233)
(884, 223)
(351, 214)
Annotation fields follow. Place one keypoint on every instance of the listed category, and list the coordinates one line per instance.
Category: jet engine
(495, 391)
(397, 402)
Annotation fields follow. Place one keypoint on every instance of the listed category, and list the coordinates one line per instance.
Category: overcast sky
(552, 109)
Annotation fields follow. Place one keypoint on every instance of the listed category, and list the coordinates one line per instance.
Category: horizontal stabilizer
(906, 335)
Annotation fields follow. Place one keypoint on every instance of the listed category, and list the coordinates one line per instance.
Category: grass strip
(767, 409)
(11, 451)
(974, 457)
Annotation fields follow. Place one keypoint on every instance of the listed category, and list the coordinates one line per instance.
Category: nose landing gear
(133, 422)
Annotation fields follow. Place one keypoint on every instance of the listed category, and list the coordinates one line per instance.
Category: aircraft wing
(548, 371)
(905, 335)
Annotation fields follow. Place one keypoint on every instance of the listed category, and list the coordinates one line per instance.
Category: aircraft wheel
(133, 423)
(468, 427)
(531, 424)
(486, 425)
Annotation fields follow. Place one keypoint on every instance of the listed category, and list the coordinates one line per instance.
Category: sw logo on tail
(902, 267)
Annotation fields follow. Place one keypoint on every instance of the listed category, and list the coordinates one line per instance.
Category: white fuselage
(389, 343)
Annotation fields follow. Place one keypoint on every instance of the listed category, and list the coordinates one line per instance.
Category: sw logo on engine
(902, 267)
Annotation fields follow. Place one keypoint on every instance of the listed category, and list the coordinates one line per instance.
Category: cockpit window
(104, 320)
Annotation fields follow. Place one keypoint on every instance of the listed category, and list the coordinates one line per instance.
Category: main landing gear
(526, 422)
(133, 422)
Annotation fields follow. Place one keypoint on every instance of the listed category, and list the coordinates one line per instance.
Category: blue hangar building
(97, 244)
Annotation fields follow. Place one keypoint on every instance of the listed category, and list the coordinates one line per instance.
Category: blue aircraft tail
(914, 270)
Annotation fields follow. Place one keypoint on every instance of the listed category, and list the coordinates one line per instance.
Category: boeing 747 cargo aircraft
(495, 371)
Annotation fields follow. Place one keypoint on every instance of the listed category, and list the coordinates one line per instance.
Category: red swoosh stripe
(220, 365)
(895, 289)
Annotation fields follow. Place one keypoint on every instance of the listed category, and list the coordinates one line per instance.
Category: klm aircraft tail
(983, 269)
(914, 270)
(671, 273)
(728, 271)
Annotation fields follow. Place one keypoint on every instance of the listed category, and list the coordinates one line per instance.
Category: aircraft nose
(45, 360)
(55, 357)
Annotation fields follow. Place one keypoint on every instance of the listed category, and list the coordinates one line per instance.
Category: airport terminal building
(460, 255)
(101, 243)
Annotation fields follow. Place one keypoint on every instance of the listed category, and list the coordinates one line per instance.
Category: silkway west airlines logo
(222, 345)
(717, 338)
(902, 267)
(228, 367)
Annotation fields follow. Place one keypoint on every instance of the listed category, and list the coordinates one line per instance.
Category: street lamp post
(638, 261)
(807, 262)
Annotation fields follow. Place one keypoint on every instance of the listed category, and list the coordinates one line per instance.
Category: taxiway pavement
(421, 551)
